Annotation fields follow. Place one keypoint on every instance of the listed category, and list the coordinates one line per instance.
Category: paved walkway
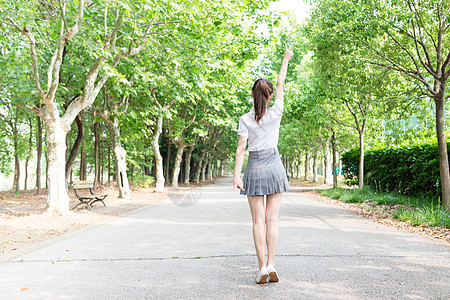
(205, 251)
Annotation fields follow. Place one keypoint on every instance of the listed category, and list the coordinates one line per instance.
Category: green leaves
(409, 170)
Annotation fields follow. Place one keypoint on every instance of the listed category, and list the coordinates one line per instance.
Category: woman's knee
(271, 218)
(260, 219)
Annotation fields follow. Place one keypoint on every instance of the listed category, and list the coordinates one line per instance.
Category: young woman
(264, 174)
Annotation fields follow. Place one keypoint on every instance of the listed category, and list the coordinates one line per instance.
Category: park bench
(87, 199)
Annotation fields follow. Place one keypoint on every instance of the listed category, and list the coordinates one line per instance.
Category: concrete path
(205, 251)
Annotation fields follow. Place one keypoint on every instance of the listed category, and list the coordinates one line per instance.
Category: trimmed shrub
(412, 170)
(143, 181)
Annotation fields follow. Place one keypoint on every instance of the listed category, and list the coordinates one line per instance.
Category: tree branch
(354, 115)
(34, 59)
(62, 7)
(342, 124)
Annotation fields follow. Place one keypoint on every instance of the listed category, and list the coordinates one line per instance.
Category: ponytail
(262, 89)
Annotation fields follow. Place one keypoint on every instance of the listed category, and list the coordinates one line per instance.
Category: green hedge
(412, 170)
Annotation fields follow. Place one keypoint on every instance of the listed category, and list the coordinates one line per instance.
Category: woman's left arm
(288, 54)
(240, 153)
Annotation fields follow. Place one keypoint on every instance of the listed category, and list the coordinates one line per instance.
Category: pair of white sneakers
(267, 274)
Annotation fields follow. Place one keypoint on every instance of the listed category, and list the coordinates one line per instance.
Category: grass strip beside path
(407, 213)
(408, 209)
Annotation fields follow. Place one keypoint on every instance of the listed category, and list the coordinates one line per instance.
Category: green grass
(430, 214)
(417, 211)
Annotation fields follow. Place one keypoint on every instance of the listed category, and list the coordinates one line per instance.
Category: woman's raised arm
(288, 54)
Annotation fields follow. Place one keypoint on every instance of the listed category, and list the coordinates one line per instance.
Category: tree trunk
(199, 168)
(39, 155)
(316, 157)
(102, 158)
(176, 168)
(82, 163)
(328, 165)
(361, 159)
(333, 146)
(109, 162)
(96, 152)
(187, 167)
(168, 161)
(293, 161)
(46, 164)
(58, 199)
(306, 165)
(443, 152)
(286, 165)
(120, 157)
(122, 179)
(322, 165)
(210, 169)
(157, 154)
(205, 163)
(30, 149)
(16, 155)
(75, 148)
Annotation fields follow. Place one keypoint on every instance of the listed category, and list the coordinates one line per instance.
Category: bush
(143, 181)
(412, 170)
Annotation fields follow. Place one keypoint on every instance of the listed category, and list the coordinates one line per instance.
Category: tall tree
(415, 43)
(133, 25)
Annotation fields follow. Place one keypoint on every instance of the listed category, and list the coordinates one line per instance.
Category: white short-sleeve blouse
(265, 134)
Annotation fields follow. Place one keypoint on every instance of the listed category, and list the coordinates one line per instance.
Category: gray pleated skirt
(264, 174)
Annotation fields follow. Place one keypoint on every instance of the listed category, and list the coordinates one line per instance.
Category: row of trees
(375, 73)
(143, 82)
(156, 88)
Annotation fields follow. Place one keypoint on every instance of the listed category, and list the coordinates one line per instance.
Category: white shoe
(273, 276)
(262, 276)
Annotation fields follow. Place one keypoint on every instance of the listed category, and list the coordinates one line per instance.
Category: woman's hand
(288, 53)
(237, 183)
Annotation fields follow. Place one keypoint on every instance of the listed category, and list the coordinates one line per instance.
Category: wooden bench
(87, 199)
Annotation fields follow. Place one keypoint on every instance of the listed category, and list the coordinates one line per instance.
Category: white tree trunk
(307, 165)
(158, 157)
(199, 169)
(328, 165)
(121, 162)
(316, 158)
(322, 165)
(361, 160)
(176, 169)
(58, 199)
(122, 179)
(293, 162)
(210, 170)
(205, 163)
(187, 168)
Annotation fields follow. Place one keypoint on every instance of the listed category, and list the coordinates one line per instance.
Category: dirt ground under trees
(23, 220)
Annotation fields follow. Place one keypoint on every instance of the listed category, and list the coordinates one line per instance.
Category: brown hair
(261, 91)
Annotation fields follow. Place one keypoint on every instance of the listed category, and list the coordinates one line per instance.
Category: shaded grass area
(413, 210)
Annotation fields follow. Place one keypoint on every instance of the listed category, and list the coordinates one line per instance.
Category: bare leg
(272, 209)
(256, 204)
